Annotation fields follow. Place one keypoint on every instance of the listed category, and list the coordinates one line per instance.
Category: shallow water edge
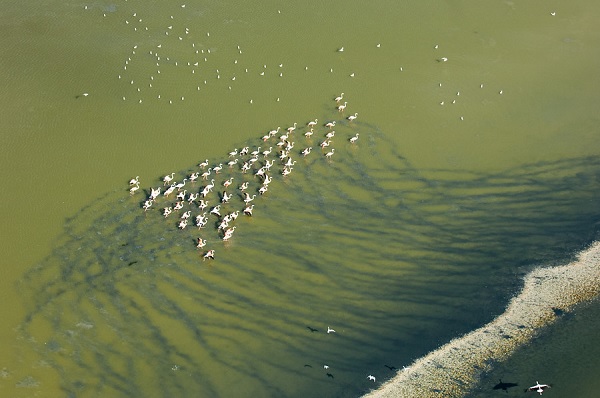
(453, 369)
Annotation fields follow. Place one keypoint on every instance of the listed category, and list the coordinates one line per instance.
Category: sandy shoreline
(453, 369)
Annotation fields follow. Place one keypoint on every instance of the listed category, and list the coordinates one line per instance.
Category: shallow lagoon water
(412, 214)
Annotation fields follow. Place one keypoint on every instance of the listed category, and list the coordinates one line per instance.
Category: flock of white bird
(211, 195)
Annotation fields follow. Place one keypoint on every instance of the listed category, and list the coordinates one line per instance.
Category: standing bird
(352, 117)
(201, 243)
(154, 193)
(306, 151)
(209, 254)
(341, 108)
(134, 189)
(204, 164)
(248, 199)
(339, 98)
(312, 123)
(354, 139)
(168, 178)
(328, 155)
(134, 181)
(330, 124)
(291, 129)
(228, 182)
(248, 210)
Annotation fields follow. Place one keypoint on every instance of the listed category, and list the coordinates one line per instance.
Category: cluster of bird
(254, 167)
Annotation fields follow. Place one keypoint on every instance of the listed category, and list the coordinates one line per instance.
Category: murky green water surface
(477, 160)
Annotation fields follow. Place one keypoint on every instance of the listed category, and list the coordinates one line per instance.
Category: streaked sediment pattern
(394, 258)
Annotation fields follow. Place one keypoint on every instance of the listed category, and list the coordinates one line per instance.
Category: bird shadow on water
(126, 306)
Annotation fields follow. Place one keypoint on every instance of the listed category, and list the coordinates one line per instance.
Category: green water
(414, 236)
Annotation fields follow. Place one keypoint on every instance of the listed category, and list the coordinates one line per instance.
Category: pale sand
(454, 368)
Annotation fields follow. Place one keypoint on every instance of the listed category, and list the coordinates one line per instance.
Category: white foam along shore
(453, 369)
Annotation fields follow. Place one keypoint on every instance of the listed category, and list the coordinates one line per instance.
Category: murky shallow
(126, 305)
(468, 172)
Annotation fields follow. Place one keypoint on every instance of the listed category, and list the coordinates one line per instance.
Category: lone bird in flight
(538, 387)
(371, 377)
(330, 330)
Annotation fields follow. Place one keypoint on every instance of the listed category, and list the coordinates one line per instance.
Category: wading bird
(209, 254)
(168, 178)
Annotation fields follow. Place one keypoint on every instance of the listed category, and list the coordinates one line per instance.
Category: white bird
(134, 181)
(244, 186)
(248, 199)
(201, 243)
(133, 189)
(204, 164)
(291, 129)
(354, 139)
(339, 98)
(232, 162)
(154, 193)
(286, 171)
(312, 123)
(178, 206)
(248, 210)
(181, 184)
(262, 190)
(233, 153)
(309, 133)
(306, 151)
(330, 134)
(342, 107)
(325, 366)
(352, 117)
(268, 179)
(267, 152)
(228, 182)
(325, 143)
(330, 330)
(168, 178)
(328, 155)
(539, 388)
(186, 215)
(330, 124)
(216, 210)
(194, 176)
(244, 150)
(147, 204)
(371, 377)
(209, 254)
(206, 174)
(183, 224)
(218, 168)
(226, 197)
(203, 204)
(211, 185)
(167, 211)
(193, 197)
(181, 195)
